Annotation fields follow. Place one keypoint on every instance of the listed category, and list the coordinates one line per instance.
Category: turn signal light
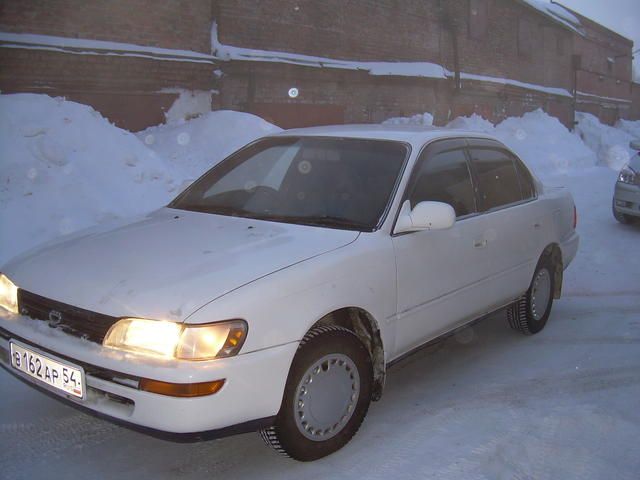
(181, 389)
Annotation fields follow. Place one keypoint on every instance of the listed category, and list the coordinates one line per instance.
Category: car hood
(168, 264)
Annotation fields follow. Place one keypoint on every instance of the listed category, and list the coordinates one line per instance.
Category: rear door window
(526, 181)
(496, 176)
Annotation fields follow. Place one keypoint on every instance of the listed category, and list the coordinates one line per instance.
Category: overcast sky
(622, 16)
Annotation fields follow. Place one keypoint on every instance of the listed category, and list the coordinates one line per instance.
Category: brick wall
(604, 74)
(496, 38)
(498, 53)
(126, 89)
(634, 114)
(391, 30)
(400, 30)
(180, 24)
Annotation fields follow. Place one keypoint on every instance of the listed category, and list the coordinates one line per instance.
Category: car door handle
(537, 225)
(480, 242)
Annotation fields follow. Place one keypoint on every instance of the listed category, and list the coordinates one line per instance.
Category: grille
(75, 321)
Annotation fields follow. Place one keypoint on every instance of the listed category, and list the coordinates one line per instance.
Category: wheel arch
(365, 326)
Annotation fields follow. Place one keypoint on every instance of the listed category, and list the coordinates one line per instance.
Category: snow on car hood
(167, 264)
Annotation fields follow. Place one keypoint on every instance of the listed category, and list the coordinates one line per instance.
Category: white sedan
(274, 293)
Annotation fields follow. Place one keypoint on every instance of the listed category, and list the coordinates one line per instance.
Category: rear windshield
(334, 182)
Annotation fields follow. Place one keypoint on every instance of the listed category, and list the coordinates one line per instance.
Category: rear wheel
(530, 313)
(326, 397)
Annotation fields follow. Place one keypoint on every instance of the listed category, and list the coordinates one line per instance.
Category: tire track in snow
(49, 439)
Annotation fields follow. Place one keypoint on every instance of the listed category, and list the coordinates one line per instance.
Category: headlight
(627, 175)
(8, 294)
(176, 340)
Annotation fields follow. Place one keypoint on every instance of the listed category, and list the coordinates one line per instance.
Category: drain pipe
(449, 24)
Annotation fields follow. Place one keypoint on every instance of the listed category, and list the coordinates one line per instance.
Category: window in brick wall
(478, 18)
(525, 38)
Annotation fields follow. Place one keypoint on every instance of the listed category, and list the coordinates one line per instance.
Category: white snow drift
(64, 167)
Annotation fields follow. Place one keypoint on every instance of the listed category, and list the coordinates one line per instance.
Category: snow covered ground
(486, 403)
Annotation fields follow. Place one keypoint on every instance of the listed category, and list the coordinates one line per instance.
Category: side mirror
(425, 216)
(635, 144)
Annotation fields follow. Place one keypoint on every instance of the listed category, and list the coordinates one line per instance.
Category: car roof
(414, 134)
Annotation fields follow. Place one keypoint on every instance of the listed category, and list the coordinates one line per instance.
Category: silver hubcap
(540, 294)
(326, 397)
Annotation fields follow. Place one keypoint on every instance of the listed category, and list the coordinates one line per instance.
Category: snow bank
(546, 145)
(425, 119)
(189, 104)
(64, 167)
(551, 149)
(610, 144)
(195, 146)
(632, 127)
(474, 122)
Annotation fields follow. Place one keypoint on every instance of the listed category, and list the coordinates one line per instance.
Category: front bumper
(250, 398)
(626, 199)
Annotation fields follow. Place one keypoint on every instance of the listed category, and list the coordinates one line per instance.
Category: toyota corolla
(274, 293)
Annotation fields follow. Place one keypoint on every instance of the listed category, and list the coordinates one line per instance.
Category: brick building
(603, 72)
(635, 99)
(311, 62)
(148, 49)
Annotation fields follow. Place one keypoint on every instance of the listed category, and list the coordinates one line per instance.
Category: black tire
(286, 436)
(621, 217)
(523, 314)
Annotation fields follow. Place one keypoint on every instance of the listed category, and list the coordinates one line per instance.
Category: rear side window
(497, 178)
(443, 176)
(526, 182)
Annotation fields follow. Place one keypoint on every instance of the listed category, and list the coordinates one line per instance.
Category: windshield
(334, 182)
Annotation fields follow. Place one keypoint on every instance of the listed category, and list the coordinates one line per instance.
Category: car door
(505, 197)
(440, 272)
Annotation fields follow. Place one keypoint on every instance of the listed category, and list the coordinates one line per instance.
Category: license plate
(58, 375)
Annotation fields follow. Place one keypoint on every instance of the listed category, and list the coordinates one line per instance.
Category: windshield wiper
(217, 209)
(319, 220)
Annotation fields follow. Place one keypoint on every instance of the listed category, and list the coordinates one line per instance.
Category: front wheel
(620, 217)
(326, 397)
(530, 313)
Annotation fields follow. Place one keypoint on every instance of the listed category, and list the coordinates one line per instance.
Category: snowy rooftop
(557, 13)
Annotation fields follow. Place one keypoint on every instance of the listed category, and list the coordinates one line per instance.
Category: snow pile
(632, 127)
(64, 167)
(546, 145)
(197, 145)
(189, 104)
(474, 123)
(610, 144)
(425, 119)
